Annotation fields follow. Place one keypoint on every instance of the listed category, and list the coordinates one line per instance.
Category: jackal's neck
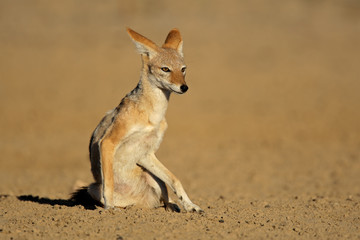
(154, 98)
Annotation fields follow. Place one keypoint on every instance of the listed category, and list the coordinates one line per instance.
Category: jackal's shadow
(80, 197)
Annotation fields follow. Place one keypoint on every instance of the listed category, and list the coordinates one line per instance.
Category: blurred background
(273, 106)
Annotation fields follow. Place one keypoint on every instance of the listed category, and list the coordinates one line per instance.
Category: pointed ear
(174, 41)
(143, 45)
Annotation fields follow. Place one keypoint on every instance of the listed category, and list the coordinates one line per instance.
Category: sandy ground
(266, 141)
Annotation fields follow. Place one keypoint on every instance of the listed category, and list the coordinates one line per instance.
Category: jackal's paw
(172, 207)
(108, 200)
(108, 207)
(191, 207)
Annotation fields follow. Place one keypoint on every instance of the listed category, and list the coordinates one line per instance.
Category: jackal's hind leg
(160, 190)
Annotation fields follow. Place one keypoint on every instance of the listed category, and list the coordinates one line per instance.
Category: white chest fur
(141, 141)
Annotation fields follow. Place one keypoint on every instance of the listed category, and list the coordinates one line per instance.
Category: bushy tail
(82, 197)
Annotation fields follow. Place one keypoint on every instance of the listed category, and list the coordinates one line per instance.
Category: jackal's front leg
(153, 165)
(106, 158)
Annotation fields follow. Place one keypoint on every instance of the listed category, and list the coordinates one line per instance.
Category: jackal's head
(164, 65)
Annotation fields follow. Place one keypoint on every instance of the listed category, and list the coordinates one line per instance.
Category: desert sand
(266, 140)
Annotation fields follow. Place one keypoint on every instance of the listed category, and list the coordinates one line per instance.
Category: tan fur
(123, 146)
(173, 40)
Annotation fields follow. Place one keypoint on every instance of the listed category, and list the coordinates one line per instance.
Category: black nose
(184, 88)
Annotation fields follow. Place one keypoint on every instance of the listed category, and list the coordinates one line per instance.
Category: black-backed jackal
(123, 145)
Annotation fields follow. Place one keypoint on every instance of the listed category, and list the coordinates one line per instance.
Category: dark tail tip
(82, 197)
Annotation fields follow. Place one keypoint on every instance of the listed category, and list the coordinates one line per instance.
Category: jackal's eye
(165, 69)
(183, 69)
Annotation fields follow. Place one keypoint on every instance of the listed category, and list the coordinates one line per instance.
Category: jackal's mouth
(178, 89)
